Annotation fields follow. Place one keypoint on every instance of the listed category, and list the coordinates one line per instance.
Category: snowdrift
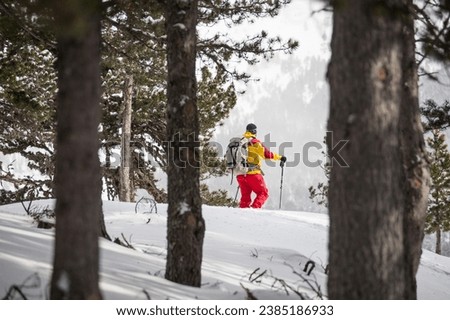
(269, 254)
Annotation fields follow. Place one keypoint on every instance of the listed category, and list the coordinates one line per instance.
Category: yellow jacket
(257, 152)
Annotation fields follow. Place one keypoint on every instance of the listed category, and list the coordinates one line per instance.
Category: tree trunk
(125, 192)
(376, 205)
(185, 227)
(416, 175)
(438, 241)
(78, 178)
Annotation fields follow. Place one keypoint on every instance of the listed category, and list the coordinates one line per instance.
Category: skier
(253, 180)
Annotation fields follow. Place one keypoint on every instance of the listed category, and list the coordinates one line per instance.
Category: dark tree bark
(377, 205)
(125, 191)
(185, 226)
(438, 241)
(78, 179)
(416, 175)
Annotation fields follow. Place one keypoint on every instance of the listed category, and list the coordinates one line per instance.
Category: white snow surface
(239, 245)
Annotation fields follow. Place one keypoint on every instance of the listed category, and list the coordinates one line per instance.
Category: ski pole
(281, 185)
(235, 197)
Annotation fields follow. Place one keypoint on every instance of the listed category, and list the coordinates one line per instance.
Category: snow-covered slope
(263, 251)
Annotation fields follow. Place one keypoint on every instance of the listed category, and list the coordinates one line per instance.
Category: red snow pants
(249, 183)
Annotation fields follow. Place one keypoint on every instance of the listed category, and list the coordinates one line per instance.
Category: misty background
(290, 103)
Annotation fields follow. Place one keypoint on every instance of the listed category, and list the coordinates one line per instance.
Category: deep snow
(264, 251)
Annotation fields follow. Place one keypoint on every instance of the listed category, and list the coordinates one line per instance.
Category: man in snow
(253, 180)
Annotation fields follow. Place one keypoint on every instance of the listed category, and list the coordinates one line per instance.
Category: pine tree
(134, 42)
(78, 177)
(437, 116)
(319, 193)
(27, 96)
(185, 224)
(432, 33)
(438, 213)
